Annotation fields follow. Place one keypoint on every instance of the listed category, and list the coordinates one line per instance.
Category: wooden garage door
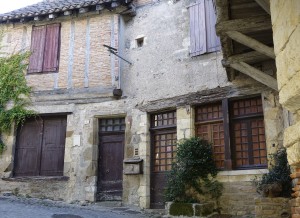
(40, 147)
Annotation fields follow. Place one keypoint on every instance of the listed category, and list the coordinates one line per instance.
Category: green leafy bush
(194, 170)
(14, 91)
(279, 173)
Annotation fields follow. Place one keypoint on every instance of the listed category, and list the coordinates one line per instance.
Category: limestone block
(144, 190)
(90, 197)
(287, 61)
(182, 113)
(293, 154)
(283, 26)
(292, 135)
(145, 202)
(183, 133)
(289, 94)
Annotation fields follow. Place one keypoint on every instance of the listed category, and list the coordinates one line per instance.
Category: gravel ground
(16, 207)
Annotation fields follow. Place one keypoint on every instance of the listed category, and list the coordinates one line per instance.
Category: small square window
(139, 42)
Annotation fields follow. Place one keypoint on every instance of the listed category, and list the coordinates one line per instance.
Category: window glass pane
(244, 107)
(112, 125)
(164, 141)
(209, 112)
(163, 119)
(214, 133)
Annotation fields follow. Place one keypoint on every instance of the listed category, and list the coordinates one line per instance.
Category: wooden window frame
(160, 130)
(208, 117)
(229, 140)
(247, 118)
(106, 127)
(46, 58)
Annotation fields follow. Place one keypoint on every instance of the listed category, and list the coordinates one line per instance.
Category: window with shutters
(236, 130)
(45, 45)
(203, 36)
(40, 147)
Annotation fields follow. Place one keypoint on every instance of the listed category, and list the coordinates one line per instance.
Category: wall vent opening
(136, 152)
(140, 42)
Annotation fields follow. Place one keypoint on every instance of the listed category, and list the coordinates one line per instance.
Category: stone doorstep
(109, 203)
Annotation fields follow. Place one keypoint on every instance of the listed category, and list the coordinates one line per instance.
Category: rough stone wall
(286, 35)
(81, 155)
(239, 193)
(272, 207)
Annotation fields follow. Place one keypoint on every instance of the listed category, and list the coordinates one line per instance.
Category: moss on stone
(185, 209)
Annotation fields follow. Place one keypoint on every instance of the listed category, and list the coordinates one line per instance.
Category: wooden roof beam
(252, 43)
(245, 25)
(249, 57)
(256, 74)
(265, 4)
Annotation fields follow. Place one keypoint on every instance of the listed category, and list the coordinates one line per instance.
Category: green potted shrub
(277, 182)
(193, 173)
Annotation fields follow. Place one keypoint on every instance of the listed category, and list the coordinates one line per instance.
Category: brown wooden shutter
(37, 49)
(51, 48)
(53, 146)
(202, 28)
(27, 160)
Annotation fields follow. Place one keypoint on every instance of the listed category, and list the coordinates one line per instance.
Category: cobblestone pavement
(14, 207)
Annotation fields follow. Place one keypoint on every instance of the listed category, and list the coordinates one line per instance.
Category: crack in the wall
(288, 40)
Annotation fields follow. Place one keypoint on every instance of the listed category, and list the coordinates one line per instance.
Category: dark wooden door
(111, 154)
(163, 145)
(28, 149)
(40, 147)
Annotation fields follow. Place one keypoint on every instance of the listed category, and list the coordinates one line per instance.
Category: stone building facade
(167, 95)
(286, 34)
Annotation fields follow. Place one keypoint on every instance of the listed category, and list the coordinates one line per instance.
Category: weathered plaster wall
(162, 67)
(286, 35)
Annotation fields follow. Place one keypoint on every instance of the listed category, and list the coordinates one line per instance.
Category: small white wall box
(133, 166)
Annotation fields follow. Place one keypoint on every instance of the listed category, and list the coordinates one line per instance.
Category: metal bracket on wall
(114, 51)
